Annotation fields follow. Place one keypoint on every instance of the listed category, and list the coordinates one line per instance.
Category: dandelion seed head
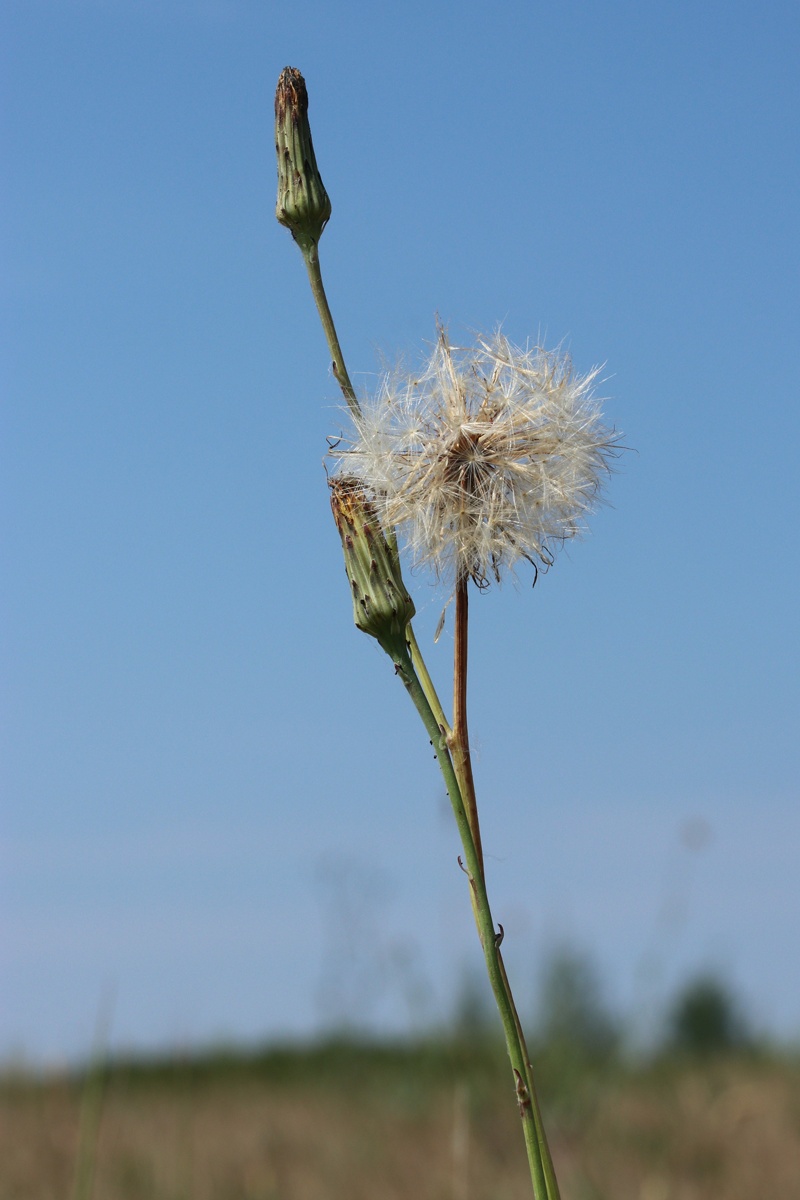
(490, 455)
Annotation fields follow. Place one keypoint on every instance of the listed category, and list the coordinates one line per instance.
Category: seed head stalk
(458, 744)
(459, 738)
(304, 207)
(535, 1142)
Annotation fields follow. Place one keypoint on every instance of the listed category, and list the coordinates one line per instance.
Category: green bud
(303, 204)
(381, 605)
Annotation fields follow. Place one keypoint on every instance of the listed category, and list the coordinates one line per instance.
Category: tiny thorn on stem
(498, 937)
(523, 1095)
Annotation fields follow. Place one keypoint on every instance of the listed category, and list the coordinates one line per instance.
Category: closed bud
(381, 605)
(303, 204)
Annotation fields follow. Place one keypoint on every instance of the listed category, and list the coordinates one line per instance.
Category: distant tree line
(573, 1021)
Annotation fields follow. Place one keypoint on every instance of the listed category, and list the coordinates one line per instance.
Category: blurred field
(435, 1122)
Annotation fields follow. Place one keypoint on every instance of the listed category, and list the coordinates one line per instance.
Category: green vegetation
(711, 1115)
(409, 1122)
(706, 1019)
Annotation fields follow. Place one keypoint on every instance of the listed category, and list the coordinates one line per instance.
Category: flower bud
(381, 605)
(303, 204)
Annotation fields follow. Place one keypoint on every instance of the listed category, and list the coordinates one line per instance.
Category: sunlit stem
(457, 774)
(427, 683)
(458, 743)
(544, 1148)
(311, 259)
(490, 941)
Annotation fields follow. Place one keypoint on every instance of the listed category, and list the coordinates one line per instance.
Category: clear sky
(217, 804)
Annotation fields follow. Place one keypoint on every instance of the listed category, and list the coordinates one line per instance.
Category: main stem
(457, 774)
(458, 743)
(490, 941)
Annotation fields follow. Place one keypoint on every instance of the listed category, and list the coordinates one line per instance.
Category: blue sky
(214, 792)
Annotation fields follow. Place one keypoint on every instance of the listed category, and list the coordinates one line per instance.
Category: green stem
(458, 742)
(414, 673)
(553, 1192)
(466, 786)
(427, 683)
(486, 930)
(311, 259)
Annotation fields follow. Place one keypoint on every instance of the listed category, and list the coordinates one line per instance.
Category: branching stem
(526, 1100)
(453, 755)
(458, 742)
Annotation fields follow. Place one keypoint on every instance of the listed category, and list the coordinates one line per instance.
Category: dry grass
(407, 1125)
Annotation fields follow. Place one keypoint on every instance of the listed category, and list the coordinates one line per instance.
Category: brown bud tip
(291, 93)
(303, 204)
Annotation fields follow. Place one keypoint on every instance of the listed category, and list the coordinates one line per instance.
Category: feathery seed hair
(491, 455)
